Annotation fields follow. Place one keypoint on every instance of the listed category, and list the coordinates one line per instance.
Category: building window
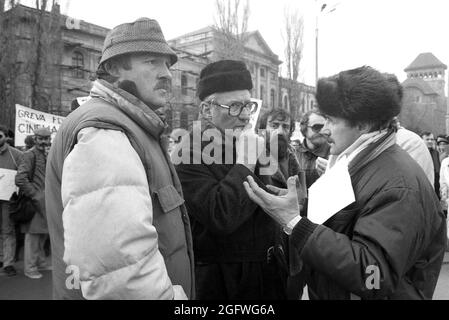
(418, 98)
(262, 72)
(184, 120)
(78, 65)
(184, 84)
(262, 93)
(169, 117)
(273, 76)
(272, 95)
(285, 103)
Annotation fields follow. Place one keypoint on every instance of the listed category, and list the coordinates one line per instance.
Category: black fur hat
(224, 76)
(359, 95)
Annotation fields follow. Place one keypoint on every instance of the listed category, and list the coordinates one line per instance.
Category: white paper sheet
(330, 193)
(254, 117)
(7, 184)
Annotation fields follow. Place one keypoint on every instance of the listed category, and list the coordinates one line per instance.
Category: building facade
(295, 97)
(73, 59)
(262, 63)
(70, 58)
(425, 106)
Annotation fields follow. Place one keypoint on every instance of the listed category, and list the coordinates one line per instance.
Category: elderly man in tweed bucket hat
(116, 214)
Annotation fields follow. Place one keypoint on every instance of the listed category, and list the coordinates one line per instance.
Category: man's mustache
(163, 84)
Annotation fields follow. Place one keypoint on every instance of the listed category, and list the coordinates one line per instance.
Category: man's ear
(364, 127)
(206, 110)
(112, 69)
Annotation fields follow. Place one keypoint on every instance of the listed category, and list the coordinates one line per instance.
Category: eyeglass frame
(229, 107)
(317, 124)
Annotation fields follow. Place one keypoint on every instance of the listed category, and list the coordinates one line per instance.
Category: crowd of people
(30, 164)
(136, 224)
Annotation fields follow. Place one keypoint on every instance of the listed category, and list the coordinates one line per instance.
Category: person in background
(443, 146)
(29, 142)
(10, 159)
(175, 138)
(444, 190)
(429, 139)
(313, 147)
(279, 124)
(30, 179)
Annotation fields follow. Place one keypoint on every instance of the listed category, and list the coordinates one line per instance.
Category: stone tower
(427, 67)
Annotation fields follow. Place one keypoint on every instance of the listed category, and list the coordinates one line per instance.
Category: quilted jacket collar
(130, 105)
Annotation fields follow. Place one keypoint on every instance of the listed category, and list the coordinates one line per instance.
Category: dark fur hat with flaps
(224, 76)
(361, 95)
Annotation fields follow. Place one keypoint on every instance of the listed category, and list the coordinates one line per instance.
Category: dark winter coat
(307, 160)
(30, 179)
(234, 241)
(395, 230)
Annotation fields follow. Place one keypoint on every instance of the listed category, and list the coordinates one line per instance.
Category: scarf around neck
(385, 139)
(134, 108)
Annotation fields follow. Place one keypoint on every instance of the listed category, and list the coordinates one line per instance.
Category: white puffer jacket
(108, 221)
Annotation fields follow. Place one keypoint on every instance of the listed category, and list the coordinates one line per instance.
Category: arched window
(184, 84)
(272, 95)
(78, 65)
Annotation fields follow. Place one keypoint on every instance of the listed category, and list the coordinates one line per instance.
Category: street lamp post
(322, 8)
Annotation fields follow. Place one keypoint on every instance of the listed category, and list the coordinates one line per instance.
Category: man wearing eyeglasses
(313, 146)
(232, 236)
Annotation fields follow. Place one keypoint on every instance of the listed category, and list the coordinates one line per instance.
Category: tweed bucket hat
(142, 35)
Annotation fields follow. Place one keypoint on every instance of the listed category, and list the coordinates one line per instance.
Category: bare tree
(231, 25)
(8, 62)
(44, 54)
(31, 51)
(292, 35)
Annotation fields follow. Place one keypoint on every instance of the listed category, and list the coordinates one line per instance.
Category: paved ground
(23, 288)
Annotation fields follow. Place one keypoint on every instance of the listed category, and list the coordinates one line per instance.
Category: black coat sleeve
(387, 238)
(223, 205)
(24, 172)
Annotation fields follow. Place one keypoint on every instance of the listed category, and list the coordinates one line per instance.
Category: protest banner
(28, 120)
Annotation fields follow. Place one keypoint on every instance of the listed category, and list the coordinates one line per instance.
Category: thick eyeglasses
(236, 108)
(316, 127)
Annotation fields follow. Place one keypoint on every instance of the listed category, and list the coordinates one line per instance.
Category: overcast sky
(385, 34)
